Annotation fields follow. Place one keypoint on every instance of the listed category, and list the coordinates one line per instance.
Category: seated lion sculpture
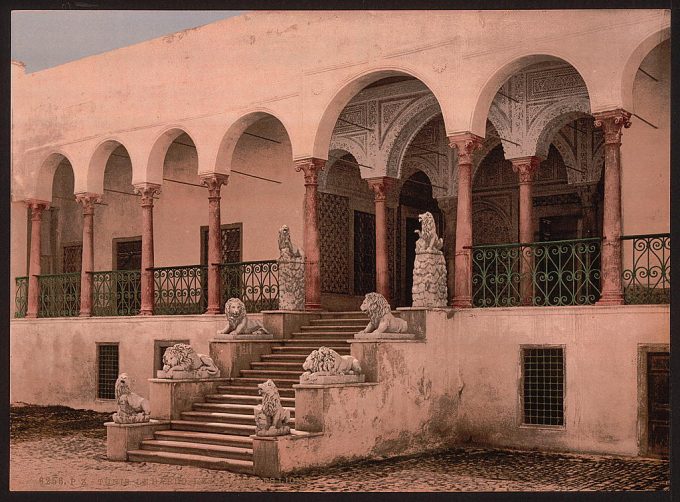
(325, 362)
(183, 358)
(132, 408)
(427, 237)
(380, 316)
(238, 322)
(271, 418)
(287, 249)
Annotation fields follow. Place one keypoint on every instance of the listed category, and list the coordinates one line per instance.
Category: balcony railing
(648, 280)
(59, 295)
(116, 293)
(256, 283)
(554, 273)
(180, 290)
(21, 297)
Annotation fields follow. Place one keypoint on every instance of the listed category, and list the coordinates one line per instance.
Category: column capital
(611, 123)
(148, 191)
(381, 187)
(88, 200)
(310, 167)
(526, 167)
(214, 182)
(37, 207)
(466, 143)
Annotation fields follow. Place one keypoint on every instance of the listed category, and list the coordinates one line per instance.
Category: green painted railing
(116, 293)
(59, 295)
(256, 283)
(539, 273)
(180, 290)
(21, 297)
(648, 280)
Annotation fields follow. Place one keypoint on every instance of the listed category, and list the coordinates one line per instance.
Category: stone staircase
(215, 433)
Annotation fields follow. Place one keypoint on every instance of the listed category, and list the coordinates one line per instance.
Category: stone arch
(550, 121)
(498, 76)
(97, 164)
(413, 166)
(335, 157)
(568, 157)
(45, 178)
(154, 168)
(344, 93)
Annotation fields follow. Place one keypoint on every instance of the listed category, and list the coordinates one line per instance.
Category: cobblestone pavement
(76, 460)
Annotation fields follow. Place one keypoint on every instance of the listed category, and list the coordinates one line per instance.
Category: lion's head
(322, 359)
(179, 354)
(427, 224)
(286, 247)
(123, 386)
(270, 397)
(376, 306)
(235, 310)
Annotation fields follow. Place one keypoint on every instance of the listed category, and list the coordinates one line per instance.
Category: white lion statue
(238, 322)
(427, 237)
(325, 362)
(271, 418)
(183, 358)
(286, 248)
(132, 408)
(380, 316)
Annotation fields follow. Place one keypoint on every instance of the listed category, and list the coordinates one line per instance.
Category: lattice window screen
(334, 245)
(543, 386)
(107, 362)
(72, 259)
(231, 244)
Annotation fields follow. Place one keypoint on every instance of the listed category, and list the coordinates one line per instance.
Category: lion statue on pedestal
(132, 408)
(182, 357)
(271, 418)
(380, 316)
(286, 248)
(427, 237)
(325, 361)
(238, 322)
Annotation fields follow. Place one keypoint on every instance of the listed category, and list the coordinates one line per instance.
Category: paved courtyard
(57, 448)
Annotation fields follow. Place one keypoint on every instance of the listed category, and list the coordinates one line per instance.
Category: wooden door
(658, 408)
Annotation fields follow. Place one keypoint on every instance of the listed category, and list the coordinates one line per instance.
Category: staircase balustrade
(648, 280)
(116, 293)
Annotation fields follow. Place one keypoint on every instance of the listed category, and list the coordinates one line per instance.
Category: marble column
(588, 195)
(466, 144)
(148, 191)
(310, 168)
(526, 168)
(612, 123)
(380, 187)
(37, 207)
(87, 200)
(449, 206)
(214, 182)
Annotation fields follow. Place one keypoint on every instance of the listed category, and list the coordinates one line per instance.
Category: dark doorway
(364, 253)
(128, 287)
(412, 224)
(658, 407)
(129, 254)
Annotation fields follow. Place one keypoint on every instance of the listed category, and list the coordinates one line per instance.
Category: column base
(610, 300)
(212, 311)
(312, 306)
(462, 302)
(145, 312)
(85, 314)
(31, 316)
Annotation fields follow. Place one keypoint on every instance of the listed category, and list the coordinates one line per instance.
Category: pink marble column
(148, 191)
(380, 188)
(214, 182)
(449, 206)
(466, 144)
(612, 123)
(311, 167)
(526, 167)
(87, 200)
(37, 207)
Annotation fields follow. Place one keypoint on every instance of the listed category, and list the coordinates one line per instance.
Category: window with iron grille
(72, 259)
(230, 245)
(107, 370)
(543, 385)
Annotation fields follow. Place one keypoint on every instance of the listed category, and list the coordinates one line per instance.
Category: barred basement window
(107, 370)
(543, 385)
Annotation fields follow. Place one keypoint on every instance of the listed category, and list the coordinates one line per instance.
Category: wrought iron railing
(21, 297)
(59, 295)
(648, 280)
(256, 283)
(116, 293)
(539, 273)
(180, 290)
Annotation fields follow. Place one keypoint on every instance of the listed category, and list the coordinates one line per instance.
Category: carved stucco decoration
(491, 224)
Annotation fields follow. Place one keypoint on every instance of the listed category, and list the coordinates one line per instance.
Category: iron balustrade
(256, 283)
(59, 295)
(648, 280)
(553, 273)
(116, 293)
(180, 290)
(21, 297)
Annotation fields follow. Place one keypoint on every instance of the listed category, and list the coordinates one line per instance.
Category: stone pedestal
(331, 379)
(429, 279)
(241, 336)
(292, 284)
(385, 336)
(169, 398)
(121, 438)
(267, 452)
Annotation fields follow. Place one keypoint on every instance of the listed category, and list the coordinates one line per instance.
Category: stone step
(329, 336)
(205, 438)
(346, 314)
(266, 374)
(339, 322)
(279, 382)
(307, 349)
(244, 399)
(218, 417)
(326, 342)
(278, 365)
(204, 461)
(251, 389)
(207, 449)
(243, 409)
(349, 328)
(284, 357)
(214, 427)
